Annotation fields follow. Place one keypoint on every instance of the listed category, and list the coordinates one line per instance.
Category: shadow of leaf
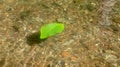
(34, 38)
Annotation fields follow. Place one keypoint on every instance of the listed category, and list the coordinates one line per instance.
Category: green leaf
(51, 29)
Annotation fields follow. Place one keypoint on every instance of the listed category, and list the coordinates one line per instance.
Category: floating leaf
(51, 29)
